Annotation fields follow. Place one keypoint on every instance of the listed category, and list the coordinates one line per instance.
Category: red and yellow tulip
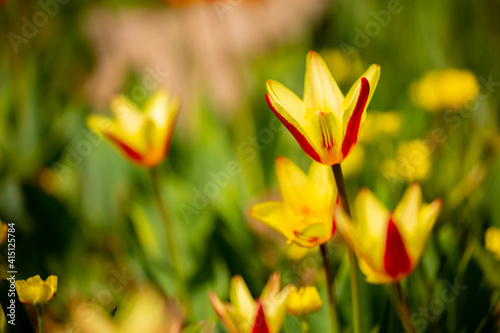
(246, 315)
(142, 137)
(388, 244)
(305, 215)
(325, 123)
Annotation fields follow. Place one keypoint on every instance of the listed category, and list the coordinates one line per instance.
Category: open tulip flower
(142, 137)
(305, 216)
(325, 123)
(388, 244)
(244, 315)
(35, 291)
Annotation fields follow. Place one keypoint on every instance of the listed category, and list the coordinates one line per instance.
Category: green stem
(41, 326)
(303, 324)
(172, 247)
(355, 294)
(330, 290)
(403, 308)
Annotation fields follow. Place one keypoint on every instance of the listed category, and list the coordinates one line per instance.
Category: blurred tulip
(244, 315)
(142, 137)
(303, 300)
(492, 241)
(412, 163)
(324, 123)
(145, 311)
(35, 291)
(305, 214)
(3, 232)
(444, 89)
(388, 244)
(380, 123)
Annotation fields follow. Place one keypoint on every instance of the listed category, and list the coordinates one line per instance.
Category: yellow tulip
(492, 241)
(325, 123)
(443, 89)
(388, 244)
(244, 315)
(305, 216)
(35, 291)
(303, 300)
(142, 137)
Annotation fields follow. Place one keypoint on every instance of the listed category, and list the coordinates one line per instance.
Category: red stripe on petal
(334, 224)
(260, 325)
(351, 135)
(128, 150)
(396, 259)
(304, 144)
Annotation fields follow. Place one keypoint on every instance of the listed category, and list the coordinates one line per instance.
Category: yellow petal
(292, 182)
(406, 213)
(321, 92)
(35, 291)
(304, 300)
(313, 235)
(222, 311)
(322, 191)
(492, 241)
(372, 74)
(277, 216)
(274, 302)
(326, 131)
(295, 115)
(240, 296)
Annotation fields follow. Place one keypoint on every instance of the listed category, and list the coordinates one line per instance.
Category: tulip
(303, 300)
(305, 216)
(35, 291)
(244, 315)
(388, 244)
(325, 123)
(492, 241)
(142, 137)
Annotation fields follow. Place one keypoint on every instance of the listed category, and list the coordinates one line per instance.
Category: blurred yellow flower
(145, 311)
(412, 163)
(325, 123)
(388, 244)
(303, 300)
(445, 89)
(3, 232)
(142, 137)
(35, 291)
(305, 216)
(244, 315)
(492, 241)
(380, 123)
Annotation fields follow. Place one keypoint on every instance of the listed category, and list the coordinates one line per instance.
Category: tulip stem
(172, 247)
(304, 325)
(403, 308)
(330, 289)
(41, 326)
(353, 264)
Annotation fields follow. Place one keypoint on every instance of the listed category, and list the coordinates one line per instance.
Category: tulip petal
(313, 235)
(272, 287)
(352, 116)
(328, 133)
(406, 213)
(277, 216)
(294, 114)
(323, 191)
(292, 182)
(396, 259)
(372, 74)
(240, 296)
(164, 121)
(321, 92)
(221, 310)
(260, 324)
